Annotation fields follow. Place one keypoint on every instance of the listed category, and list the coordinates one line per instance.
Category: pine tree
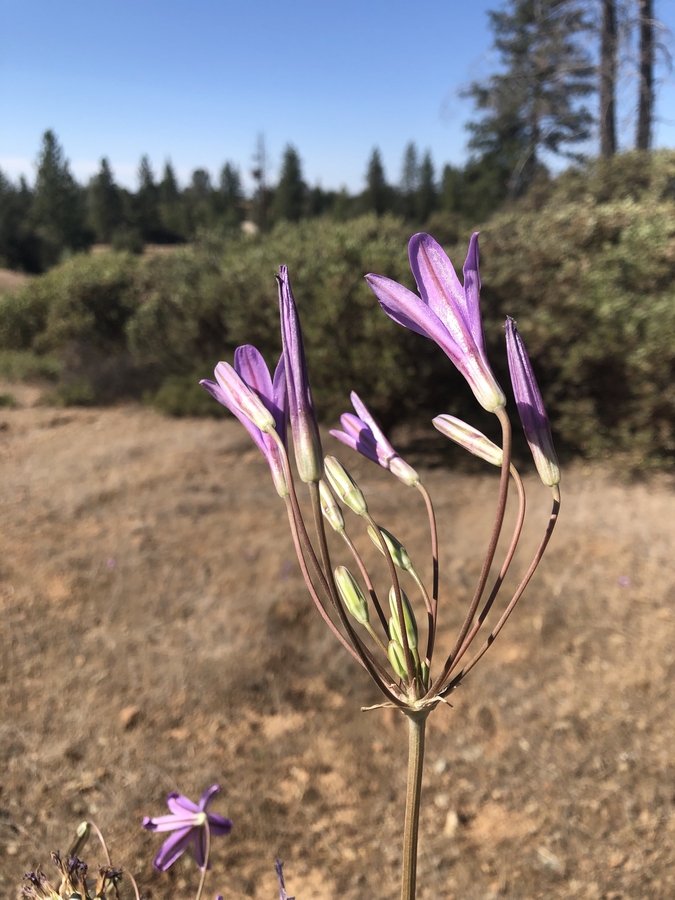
(173, 215)
(377, 195)
(199, 198)
(230, 198)
(291, 193)
(427, 192)
(57, 214)
(147, 202)
(410, 176)
(535, 104)
(105, 204)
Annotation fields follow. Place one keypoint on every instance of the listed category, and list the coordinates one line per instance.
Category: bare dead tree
(645, 117)
(608, 73)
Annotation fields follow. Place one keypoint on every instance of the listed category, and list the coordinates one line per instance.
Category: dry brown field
(155, 635)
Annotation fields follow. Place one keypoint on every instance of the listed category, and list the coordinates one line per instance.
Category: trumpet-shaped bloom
(304, 425)
(531, 407)
(250, 378)
(445, 312)
(363, 434)
(188, 821)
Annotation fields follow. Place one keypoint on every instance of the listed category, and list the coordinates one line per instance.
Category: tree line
(553, 55)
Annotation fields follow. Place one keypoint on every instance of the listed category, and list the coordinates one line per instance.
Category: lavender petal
(173, 847)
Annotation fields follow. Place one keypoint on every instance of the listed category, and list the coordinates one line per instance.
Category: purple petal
(207, 797)
(171, 823)
(440, 288)
(251, 367)
(222, 397)
(472, 286)
(356, 444)
(364, 414)
(179, 805)
(352, 424)
(219, 824)
(404, 307)
(174, 847)
(200, 848)
(435, 275)
(280, 398)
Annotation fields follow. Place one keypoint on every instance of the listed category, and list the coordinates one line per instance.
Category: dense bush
(588, 270)
(584, 262)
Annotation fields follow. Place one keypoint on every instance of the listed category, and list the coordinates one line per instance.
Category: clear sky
(197, 82)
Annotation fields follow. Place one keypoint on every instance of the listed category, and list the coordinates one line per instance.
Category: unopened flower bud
(396, 549)
(351, 594)
(397, 659)
(531, 407)
(344, 486)
(470, 438)
(408, 616)
(330, 508)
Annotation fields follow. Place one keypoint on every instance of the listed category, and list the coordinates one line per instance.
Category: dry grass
(146, 563)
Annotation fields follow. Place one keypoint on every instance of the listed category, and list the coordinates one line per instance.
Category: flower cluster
(447, 312)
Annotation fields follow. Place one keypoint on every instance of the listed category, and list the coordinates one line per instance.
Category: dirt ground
(155, 635)
(10, 280)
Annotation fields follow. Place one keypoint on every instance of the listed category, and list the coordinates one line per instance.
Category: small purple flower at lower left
(189, 822)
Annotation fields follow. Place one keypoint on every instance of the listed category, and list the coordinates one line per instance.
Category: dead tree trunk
(608, 56)
(643, 138)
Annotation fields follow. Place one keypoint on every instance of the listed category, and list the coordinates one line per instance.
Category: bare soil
(11, 280)
(156, 635)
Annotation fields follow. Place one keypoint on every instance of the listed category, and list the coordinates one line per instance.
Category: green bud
(330, 508)
(408, 615)
(396, 549)
(352, 594)
(397, 659)
(470, 438)
(344, 486)
(395, 630)
(424, 671)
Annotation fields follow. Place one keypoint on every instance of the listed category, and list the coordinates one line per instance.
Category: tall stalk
(417, 723)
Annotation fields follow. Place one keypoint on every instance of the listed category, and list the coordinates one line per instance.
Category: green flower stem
(417, 722)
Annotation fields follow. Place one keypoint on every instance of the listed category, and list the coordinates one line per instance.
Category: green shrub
(24, 365)
(8, 401)
(585, 262)
(590, 276)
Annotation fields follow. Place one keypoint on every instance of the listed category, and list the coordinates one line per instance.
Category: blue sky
(198, 82)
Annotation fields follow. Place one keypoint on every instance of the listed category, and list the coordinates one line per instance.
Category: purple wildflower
(304, 425)
(531, 407)
(445, 312)
(251, 376)
(279, 866)
(363, 434)
(188, 821)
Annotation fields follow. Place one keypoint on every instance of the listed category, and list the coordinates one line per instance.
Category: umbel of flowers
(388, 643)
